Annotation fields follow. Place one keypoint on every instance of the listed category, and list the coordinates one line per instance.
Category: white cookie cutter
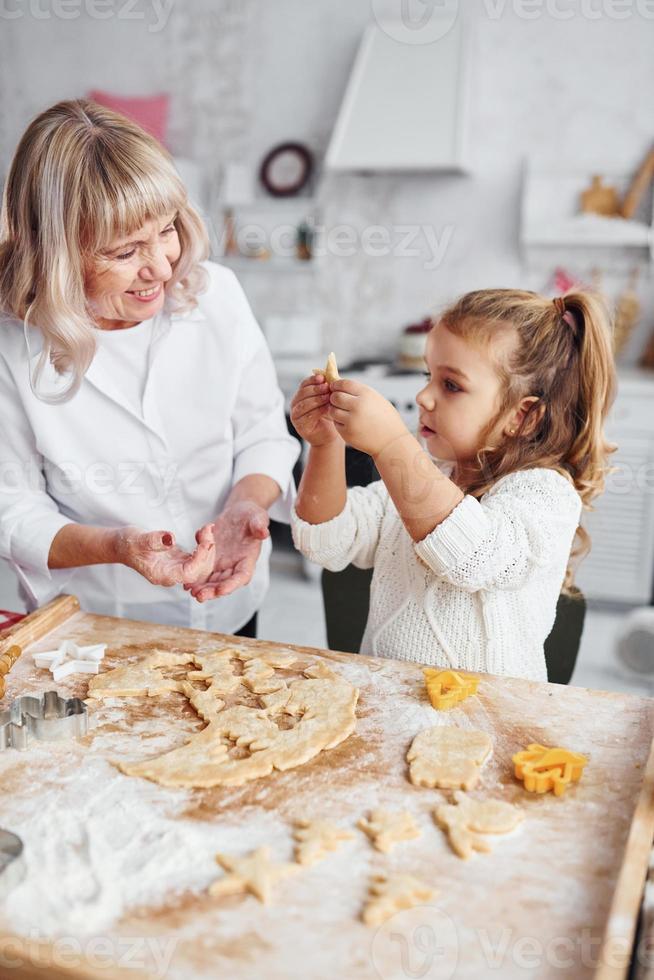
(70, 658)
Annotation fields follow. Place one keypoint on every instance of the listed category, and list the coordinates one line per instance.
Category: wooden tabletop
(558, 897)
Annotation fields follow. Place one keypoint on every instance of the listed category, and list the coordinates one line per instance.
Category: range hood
(405, 106)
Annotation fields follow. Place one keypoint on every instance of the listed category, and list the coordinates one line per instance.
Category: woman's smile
(146, 295)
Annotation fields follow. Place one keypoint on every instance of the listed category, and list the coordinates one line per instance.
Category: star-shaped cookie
(254, 873)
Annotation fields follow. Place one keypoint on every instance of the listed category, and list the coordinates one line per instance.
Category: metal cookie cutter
(12, 864)
(47, 716)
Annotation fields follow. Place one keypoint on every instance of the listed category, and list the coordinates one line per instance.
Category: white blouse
(211, 413)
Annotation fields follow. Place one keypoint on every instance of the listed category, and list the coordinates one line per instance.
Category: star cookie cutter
(12, 864)
(70, 658)
(543, 769)
(447, 687)
(47, 717)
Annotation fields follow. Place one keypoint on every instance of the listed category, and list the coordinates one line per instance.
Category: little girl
(470, 529)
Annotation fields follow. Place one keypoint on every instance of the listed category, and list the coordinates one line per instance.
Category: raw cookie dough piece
(448, 757)
(295, 722)
(255, 873)
(466, 822)
(391, 894)
(315, 838)
(386, 829)
(330, 371)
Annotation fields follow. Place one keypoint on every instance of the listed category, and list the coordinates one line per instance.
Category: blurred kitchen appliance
(406, 103)
(635, 641)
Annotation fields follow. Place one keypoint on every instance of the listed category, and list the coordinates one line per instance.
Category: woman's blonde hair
(563, 357)
(81, 176)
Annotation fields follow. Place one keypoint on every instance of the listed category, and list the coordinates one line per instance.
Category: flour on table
(294, 721)
(448, 757)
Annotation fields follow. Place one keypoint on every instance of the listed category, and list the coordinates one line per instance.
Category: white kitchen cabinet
(620, 566)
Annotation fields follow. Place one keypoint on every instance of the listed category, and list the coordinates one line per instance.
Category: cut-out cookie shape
(316, 838)
(330, 371)
(254, 873)
(543, 769)
(467, 821)
(393, 893)
(386, 829)
(447, 757)
(294, 722)
(447, 688)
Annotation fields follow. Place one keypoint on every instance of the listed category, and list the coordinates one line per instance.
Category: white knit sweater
(478, 593)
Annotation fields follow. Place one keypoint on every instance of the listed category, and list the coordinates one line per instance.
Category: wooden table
(559, 897)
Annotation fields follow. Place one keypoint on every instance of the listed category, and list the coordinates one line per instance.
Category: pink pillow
(150, 112)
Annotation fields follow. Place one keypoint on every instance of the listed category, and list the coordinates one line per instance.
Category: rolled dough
(240, 742)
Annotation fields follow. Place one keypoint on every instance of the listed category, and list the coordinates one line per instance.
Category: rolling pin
(32, 628)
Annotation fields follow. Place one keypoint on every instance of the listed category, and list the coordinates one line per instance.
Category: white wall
(245, 74)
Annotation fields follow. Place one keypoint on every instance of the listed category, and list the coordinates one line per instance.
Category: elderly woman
(142, 429)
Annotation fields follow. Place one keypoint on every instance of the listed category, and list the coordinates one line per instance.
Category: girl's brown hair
(82, 175)
(563, 357)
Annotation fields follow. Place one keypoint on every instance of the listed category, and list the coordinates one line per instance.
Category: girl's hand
(309, 412)
(155, 556)
(363, 417)
(238, 533)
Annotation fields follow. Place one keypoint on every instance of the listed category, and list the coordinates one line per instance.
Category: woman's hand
(238, 533)
(364, 418)
(309, 412)
(155, 556)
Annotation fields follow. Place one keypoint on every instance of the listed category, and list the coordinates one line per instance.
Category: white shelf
(551, 218)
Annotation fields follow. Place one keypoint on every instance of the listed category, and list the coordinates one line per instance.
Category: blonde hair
(81, 176)
(564, 357)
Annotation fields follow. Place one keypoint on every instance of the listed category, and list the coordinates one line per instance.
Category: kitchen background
(482, 124)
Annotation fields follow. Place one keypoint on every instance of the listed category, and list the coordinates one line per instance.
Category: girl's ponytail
(563, 357)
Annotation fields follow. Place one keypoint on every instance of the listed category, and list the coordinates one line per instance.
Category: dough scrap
(316, 838)
(393, 893)
(240, 742)
(447, 757)
(386, 828)
(254, 873)
(466, 821)
(330, 370)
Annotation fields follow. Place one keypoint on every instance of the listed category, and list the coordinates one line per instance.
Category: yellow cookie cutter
(447, 687)
(543, 769)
